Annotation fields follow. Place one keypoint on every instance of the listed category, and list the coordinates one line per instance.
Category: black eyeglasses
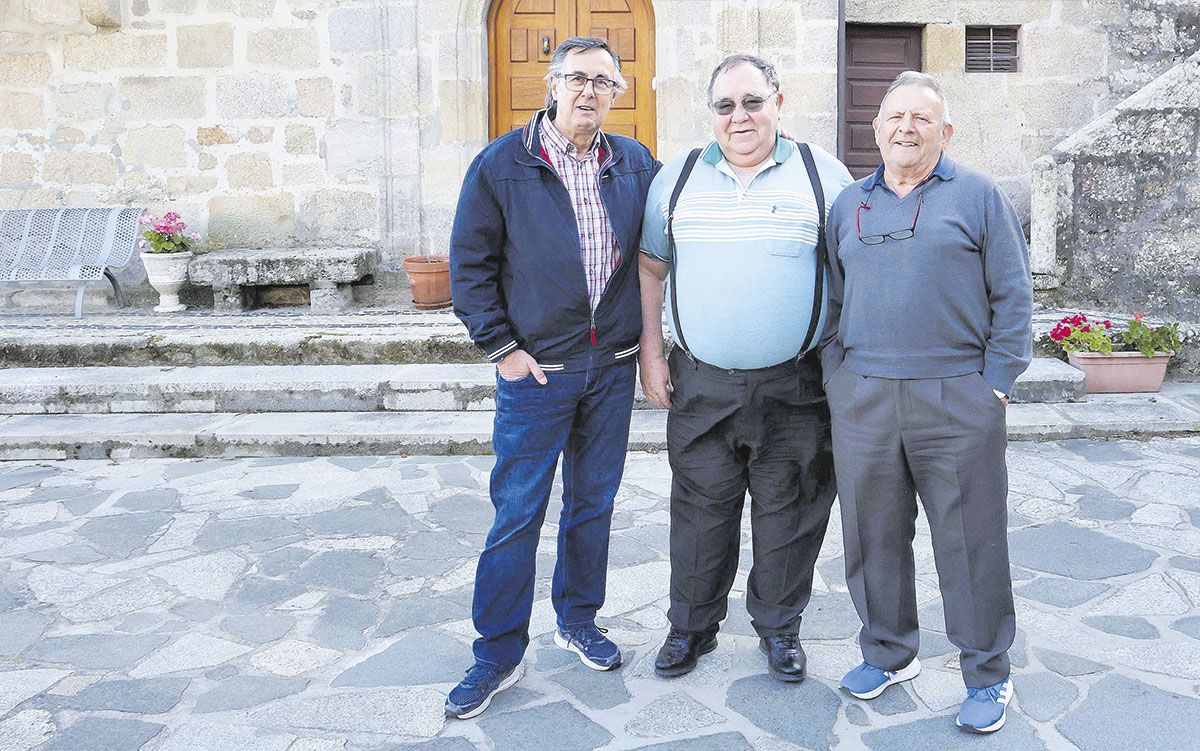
(579, 82)
(752, 103)
(900, 234)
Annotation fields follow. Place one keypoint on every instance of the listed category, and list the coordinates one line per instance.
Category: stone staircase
(297, 410)
(272, 383)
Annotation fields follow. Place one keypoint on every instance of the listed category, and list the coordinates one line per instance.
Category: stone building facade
(321, 122)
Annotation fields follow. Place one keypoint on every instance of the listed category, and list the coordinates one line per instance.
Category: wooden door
(875, 55)
(523, 35)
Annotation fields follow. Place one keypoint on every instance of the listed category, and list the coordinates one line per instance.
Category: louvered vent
(992, 49)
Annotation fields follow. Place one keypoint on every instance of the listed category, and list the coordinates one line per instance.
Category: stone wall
(245, 116)
(799, 36)
(319, 122)
(1003, 121)
(1117, 214)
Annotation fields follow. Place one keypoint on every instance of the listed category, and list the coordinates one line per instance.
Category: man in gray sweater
(930, 306)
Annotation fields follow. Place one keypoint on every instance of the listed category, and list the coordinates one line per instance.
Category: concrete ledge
(345, 433)
(325, 388)
(1049, 380)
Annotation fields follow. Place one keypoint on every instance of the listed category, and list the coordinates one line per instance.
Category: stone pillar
(329, 297)
(1050, 207)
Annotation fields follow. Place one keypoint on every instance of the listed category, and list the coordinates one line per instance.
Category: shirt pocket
(793, 228)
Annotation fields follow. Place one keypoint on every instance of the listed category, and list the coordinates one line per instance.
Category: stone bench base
(327, 272)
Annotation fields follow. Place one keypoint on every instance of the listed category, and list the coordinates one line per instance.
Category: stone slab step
(1174, 412)
(290, 337)
(267, 337)
(326, 388)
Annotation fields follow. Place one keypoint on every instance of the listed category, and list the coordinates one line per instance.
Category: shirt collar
(783, 151)
(944, 169)
(553, 138)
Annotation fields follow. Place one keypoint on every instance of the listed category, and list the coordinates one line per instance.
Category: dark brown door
(875, 55)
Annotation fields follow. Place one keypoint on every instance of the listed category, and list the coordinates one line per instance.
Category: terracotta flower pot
(166, 273)
(1120, 372)
(429, 277)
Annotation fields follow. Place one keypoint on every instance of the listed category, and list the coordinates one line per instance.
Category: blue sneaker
(589, 642)
(867, 681)
(984, 708)
(474, 693)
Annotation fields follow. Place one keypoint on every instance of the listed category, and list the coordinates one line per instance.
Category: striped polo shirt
(747, 255)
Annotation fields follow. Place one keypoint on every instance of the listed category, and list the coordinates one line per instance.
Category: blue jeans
(584, 417)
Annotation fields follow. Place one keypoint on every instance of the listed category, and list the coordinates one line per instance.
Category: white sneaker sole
(570, 647)
(906, 673)
(512, 678)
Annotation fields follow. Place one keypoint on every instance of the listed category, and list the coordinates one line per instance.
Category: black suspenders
(819, 277)
(683, 176)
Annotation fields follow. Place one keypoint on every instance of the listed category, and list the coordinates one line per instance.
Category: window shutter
(992, 49)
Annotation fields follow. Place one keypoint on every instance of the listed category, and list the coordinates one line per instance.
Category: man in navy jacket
(543, 271)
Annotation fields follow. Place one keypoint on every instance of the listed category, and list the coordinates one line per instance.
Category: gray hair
(916, 78)
(559, 59)
(733, 61)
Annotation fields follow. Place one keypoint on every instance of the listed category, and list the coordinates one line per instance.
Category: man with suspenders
(738, 228)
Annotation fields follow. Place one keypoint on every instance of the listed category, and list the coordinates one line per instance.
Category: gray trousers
(765, 430)
(944, 439)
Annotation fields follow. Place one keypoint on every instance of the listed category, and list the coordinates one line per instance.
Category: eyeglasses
(752, 103)
(900, 234)
(579, 82)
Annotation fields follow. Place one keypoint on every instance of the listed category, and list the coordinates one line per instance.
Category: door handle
(546, 44)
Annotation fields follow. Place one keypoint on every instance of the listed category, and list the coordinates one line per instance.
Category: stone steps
(223, 434)
(289, 337)
(264, 337)
(325, 388)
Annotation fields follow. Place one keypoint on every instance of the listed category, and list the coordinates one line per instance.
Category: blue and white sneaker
(474, 693)
(589, 642)
(984, 709)
(867, 681)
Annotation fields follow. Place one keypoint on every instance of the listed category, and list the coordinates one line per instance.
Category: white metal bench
(67, 245)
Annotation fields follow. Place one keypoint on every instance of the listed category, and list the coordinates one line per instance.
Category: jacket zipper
(603, 174)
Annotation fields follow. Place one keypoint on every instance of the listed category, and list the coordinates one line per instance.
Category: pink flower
(141, 244)
(1138, 316)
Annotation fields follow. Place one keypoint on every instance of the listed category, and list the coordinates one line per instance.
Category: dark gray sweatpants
(942, 439)
(765, 430)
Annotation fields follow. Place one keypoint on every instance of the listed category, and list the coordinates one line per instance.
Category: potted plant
(166, 251)
(1133, 359)
(429, 279)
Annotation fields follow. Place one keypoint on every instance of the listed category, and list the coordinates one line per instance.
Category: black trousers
(729, 431)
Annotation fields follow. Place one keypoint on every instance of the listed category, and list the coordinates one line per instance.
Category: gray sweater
(955, 298)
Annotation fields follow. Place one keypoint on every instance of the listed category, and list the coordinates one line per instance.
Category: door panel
(519, 31)
(875, 55)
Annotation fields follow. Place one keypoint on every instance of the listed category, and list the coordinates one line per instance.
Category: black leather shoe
(681, 650)
(785, 656)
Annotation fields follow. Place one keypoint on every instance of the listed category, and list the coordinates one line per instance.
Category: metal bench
(67, 245)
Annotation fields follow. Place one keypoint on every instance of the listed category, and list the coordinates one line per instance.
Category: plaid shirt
(597, 244)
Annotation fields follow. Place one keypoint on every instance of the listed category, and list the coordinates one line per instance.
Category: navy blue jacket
(515, 269)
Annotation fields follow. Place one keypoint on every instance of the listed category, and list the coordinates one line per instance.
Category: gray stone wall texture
(1123, 199)
(315, 123)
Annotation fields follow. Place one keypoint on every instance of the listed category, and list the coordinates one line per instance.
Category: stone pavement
(320, 604)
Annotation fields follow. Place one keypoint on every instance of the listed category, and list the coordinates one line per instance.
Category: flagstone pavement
(314, 604)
